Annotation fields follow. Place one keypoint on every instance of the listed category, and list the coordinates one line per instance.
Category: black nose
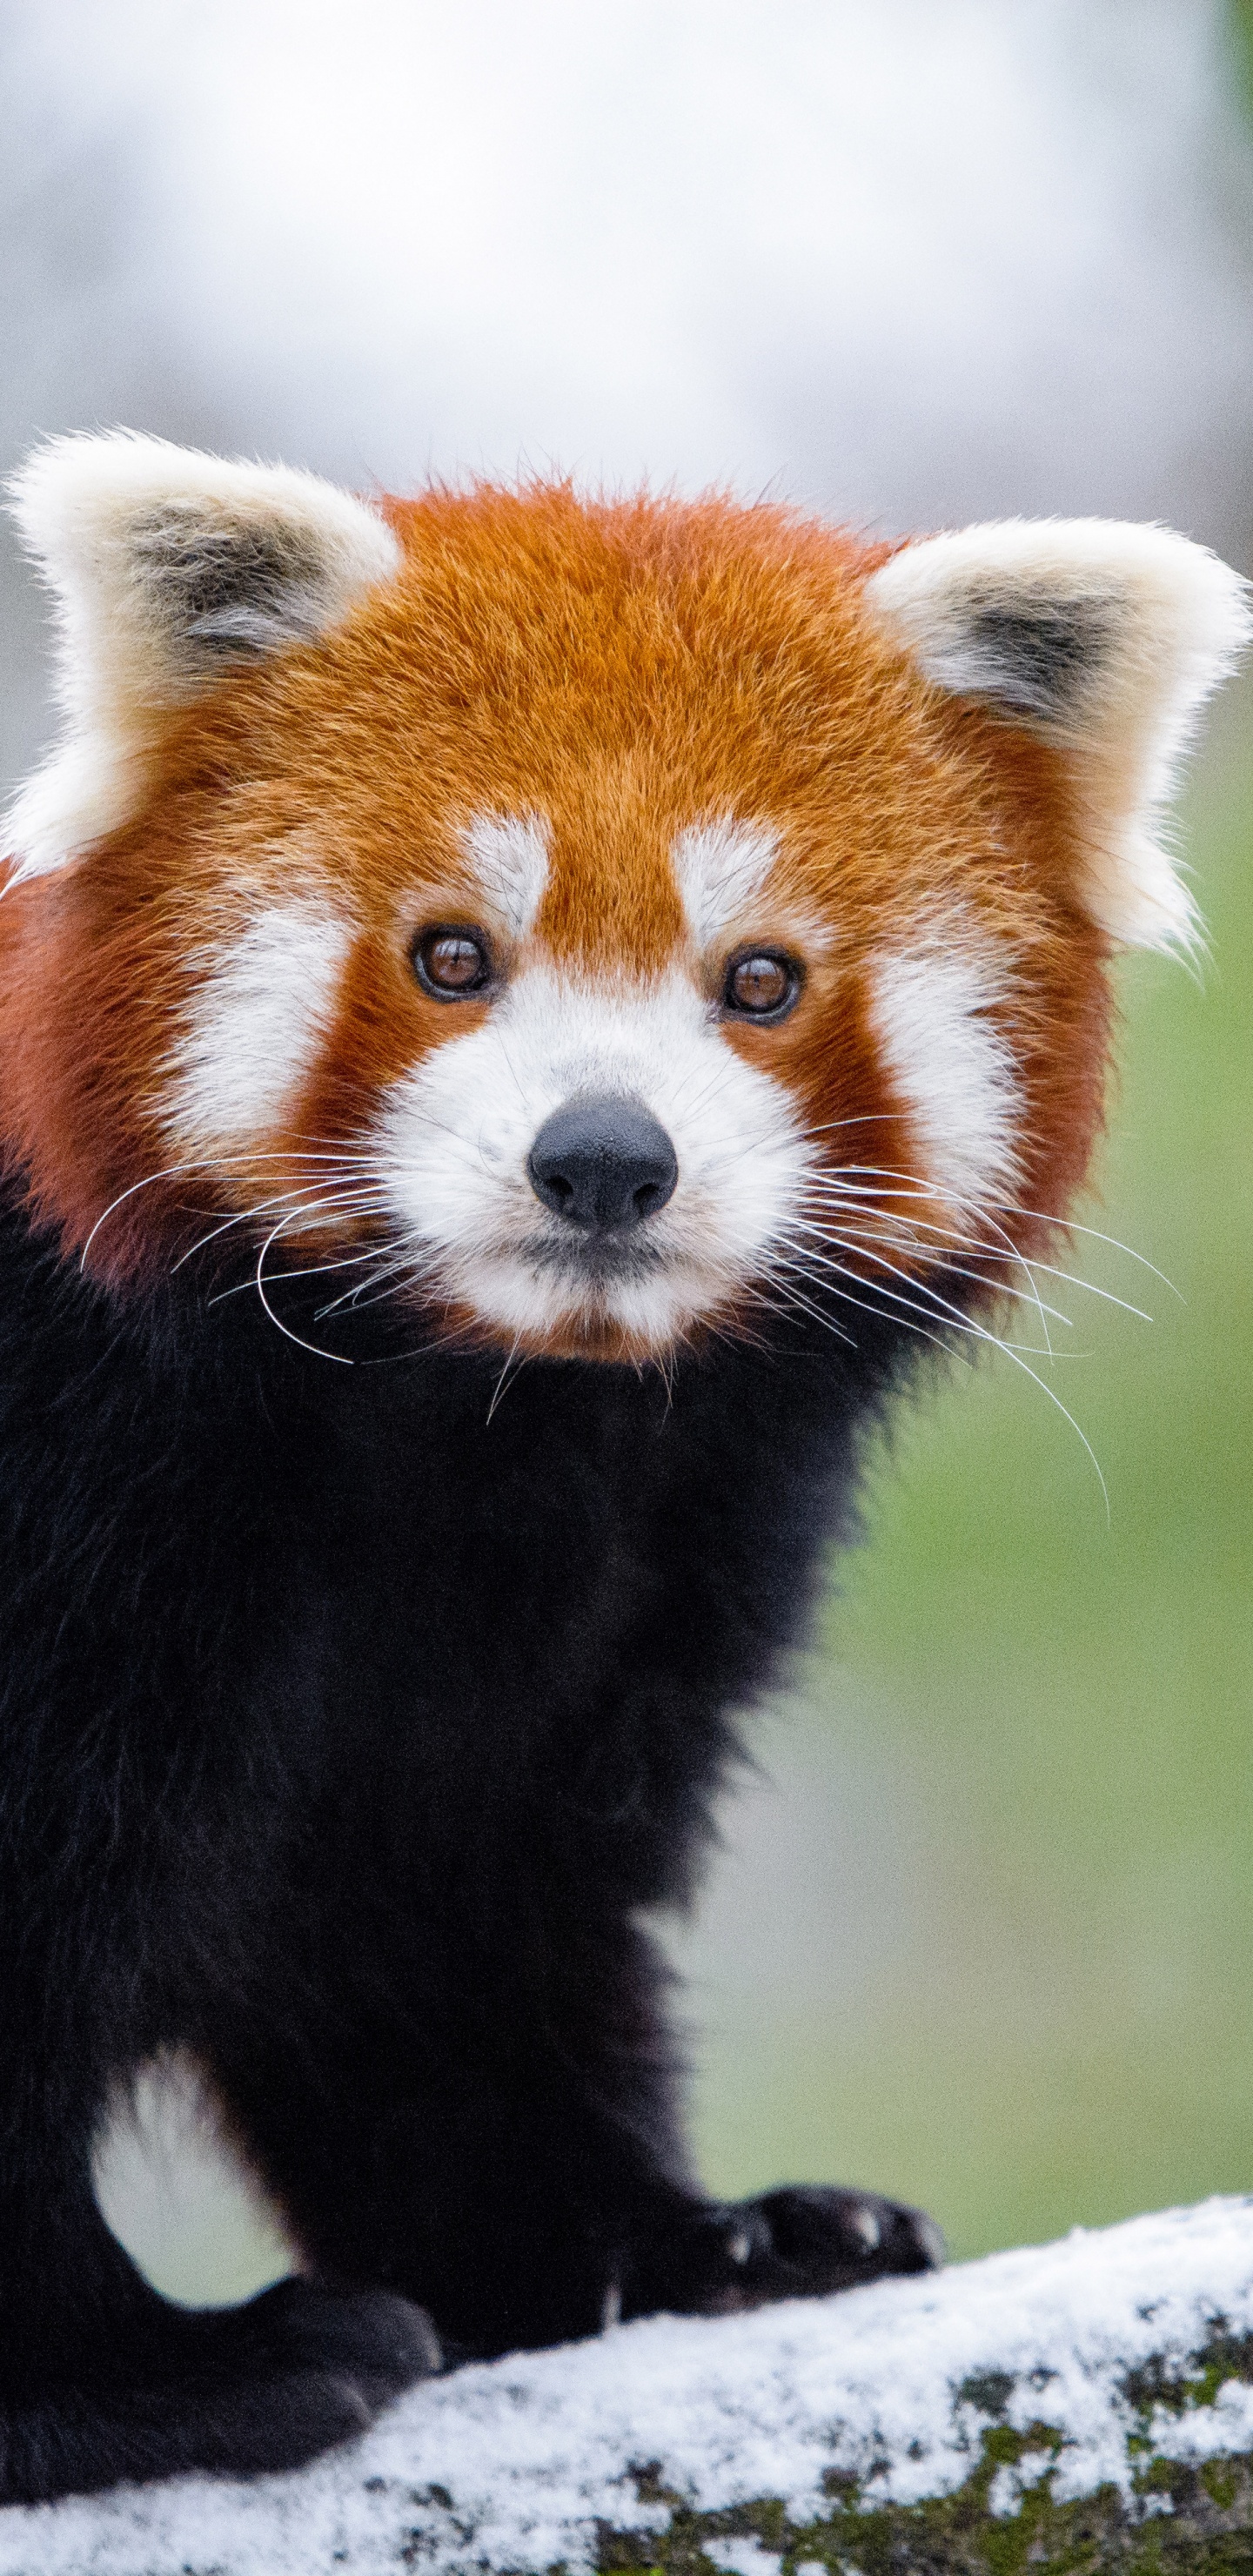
(602, 1163)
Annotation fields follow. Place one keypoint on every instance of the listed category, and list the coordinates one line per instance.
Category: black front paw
(822, 2239)
(801, 2242)
(368, 2345)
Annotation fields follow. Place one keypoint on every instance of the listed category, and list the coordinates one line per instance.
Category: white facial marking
(929, 1009)
(255, 1027)
(454, 1136)
(719, 868)
(509, 853)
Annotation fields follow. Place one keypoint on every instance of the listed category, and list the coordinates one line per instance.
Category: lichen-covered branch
(1080, 2406)
(1179, 2515)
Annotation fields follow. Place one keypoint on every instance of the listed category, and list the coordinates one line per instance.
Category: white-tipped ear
(167, 568)
(1104, 638)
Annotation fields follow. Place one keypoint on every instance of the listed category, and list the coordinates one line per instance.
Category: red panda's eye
(762, 985)
(450, 963)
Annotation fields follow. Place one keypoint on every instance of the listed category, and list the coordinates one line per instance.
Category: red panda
(519, 1017)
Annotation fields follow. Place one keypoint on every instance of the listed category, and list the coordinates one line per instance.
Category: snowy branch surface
(1086, 2403)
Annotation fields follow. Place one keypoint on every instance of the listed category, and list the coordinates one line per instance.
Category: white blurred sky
(909, 261)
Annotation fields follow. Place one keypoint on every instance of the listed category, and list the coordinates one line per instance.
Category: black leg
(507, 2211)
(101, 2379)
(521, 2174)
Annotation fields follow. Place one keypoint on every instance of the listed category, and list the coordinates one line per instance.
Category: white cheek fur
(453, 1138)
(254, 1029)
(950, 1061)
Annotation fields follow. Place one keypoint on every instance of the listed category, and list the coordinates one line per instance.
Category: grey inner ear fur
(1034, 660)
(226, 593)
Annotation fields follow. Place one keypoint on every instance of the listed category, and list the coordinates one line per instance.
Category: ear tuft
(168, 568)
(1104, 638)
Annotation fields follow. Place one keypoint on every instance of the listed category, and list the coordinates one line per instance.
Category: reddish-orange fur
(625, 668)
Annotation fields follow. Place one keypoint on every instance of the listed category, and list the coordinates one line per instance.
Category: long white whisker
(952, 1318)
(1006, 1249)
(903, 1245)
(788, 1299)
(320, 1270)
(172, 1172)
(313, 1348)
(354, 1200)
(864, 1307)
(939, 1310)
(503, 1379)
(1048, 1269)
(206, 1163)
(942, 1307)
(1003, 1207)
(397, 1259)
(953, 1269)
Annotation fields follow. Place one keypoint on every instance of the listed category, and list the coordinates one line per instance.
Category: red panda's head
(591, 920)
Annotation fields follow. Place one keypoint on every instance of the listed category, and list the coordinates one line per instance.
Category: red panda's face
(603, 931)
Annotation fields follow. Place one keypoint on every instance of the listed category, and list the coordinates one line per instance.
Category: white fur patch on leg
(509, 855)
(180, 2197)
(952, 1065)
(255, 1024)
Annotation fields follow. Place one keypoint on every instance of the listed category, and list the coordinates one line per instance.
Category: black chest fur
(348, 1716)
(227, 1556)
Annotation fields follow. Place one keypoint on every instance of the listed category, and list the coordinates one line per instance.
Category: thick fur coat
(519, 1019)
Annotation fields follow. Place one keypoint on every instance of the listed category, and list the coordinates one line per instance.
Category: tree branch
(1081, 2405)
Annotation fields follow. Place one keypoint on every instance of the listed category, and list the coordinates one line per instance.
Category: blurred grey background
(908, 262)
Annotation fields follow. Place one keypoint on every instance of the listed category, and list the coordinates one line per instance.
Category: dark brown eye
(452, 963)
(762, 985)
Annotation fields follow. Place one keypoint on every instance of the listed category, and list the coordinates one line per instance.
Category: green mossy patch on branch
(1181, 2517)
(1185, 2519)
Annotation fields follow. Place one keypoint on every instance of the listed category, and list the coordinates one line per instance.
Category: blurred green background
(1026, 1742)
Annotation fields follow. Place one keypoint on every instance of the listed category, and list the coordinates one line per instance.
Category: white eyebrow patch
(255, 1027)
(718, 868)
(509, 853)
(954, 1067)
